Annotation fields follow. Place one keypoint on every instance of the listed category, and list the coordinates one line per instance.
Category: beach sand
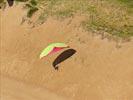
(97, 71)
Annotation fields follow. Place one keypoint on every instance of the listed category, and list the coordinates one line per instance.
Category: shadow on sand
(62, 57)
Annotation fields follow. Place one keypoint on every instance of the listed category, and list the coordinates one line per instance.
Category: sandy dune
(16, 90)
(97, 71)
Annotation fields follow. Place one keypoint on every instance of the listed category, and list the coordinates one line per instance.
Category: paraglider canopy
(52, 48)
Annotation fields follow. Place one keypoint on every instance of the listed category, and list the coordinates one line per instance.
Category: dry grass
(112, 16)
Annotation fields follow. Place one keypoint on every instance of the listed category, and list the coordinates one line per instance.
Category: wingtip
(40, 57)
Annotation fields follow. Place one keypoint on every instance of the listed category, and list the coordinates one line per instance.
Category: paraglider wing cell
(52, 48)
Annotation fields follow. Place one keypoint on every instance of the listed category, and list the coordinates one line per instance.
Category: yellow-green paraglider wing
(51, 47)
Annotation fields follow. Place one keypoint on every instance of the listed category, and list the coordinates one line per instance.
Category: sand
(97, 71)
(16, 90)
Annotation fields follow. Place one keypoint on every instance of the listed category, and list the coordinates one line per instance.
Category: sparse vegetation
(128, 3)
(2, 4)
(112, 16)
(32, 7)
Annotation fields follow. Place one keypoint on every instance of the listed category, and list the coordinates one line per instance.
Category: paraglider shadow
(62, 57)
(10, 2)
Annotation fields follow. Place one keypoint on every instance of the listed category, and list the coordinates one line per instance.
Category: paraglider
(52, 48)
(62, 57)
